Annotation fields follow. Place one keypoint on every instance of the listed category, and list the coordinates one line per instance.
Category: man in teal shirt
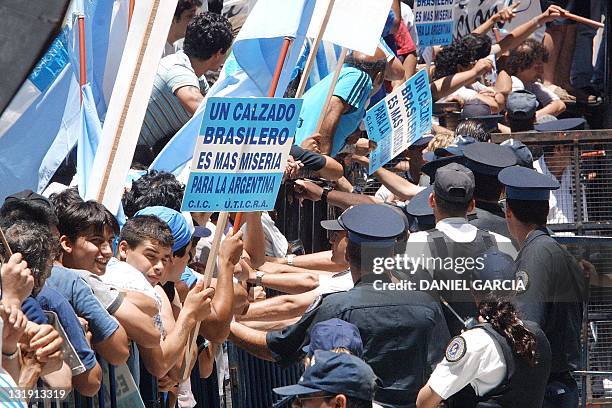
(360, 77)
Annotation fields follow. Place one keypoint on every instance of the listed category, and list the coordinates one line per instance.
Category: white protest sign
(127, 393)
(241, 154)
(469, 14)
(353, 24)
(434, 22)
(399, 120)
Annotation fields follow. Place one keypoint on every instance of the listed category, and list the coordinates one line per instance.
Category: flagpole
(222, 221)
(275, 78)
(130, 12)
(82, 55)
(313, 52)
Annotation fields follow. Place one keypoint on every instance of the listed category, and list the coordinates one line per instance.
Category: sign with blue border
(241, 154)
(399, 120)
(434, 22)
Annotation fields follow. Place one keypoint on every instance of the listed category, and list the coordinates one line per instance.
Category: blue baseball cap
(527, 184)
(335, 373)
(334, 333)
(176, 221)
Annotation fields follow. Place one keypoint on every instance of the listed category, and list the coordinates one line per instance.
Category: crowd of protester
(82, 290)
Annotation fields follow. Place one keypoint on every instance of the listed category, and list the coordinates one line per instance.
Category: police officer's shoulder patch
(314, 304)
(522, 280)
(456, 349)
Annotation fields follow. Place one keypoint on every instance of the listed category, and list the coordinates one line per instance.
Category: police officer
(453, 239)
(554, 284)
(486, 160)
(395, 326)
(505, 360)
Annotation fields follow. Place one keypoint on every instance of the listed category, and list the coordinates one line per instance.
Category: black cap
(431, 167)
(524, 157)
(28, 195)
(561, 125)
(526, 184)
(335, 373)
(372, 223)
(488, 158)
(521, 105)
(455, 183)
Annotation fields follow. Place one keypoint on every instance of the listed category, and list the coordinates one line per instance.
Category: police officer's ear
(432, 200)
(339, 401)
(471, 206)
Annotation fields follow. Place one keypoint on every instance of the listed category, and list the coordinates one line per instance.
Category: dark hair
(184, 5)
(361, 256)
(480, 45)
(34, 242)
(146, 227)
(27, 210)
(64, 199)
(529, 212)
(487, 187)
(154, 188)
(503, 316)
(79, 218)
(525, 55)
(521, 125)
(473, 128)
(207, 34)
(372, 68)
(451, 209)
(357, 403)
(458, 53)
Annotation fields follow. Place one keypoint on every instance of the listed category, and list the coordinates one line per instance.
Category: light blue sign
(241, 154)
(399, 120)
(434, 22)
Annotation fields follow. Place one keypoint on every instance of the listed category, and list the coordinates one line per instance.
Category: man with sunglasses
(336, 380)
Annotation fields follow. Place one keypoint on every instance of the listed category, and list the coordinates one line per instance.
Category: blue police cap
(371, 223)
(488, 158)
(422, 141)
(419, 212)
(334, 333)
(431, 167)
(496, 266)
(524, 157)
(561, 125)
(456, 147)
(526, 184)
(335, 373)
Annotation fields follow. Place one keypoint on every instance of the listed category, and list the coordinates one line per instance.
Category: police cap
(561, 125)
(524, 157)
(431, 167)
(372, 223)
(526, 184)
(488, 158)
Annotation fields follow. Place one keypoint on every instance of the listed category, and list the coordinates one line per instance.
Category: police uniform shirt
(458, 230)
(474, 358)
(394, 328)
(555, 288)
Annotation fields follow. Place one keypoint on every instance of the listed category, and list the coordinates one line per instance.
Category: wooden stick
(131, 12)
(583, 20)
(82, 53)
(330, 93)
(210, 267)
(7, 247)
(313, 52)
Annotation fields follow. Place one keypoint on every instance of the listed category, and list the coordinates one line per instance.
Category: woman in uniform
(506, 361)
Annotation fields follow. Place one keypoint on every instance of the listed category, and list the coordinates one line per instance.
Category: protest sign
(434, 22)
(126, 391)
(241, 154)
(470, 14)
(399, 120)
(354, 24)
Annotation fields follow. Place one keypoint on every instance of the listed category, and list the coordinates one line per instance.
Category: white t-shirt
(482, 366)
(338, 282)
